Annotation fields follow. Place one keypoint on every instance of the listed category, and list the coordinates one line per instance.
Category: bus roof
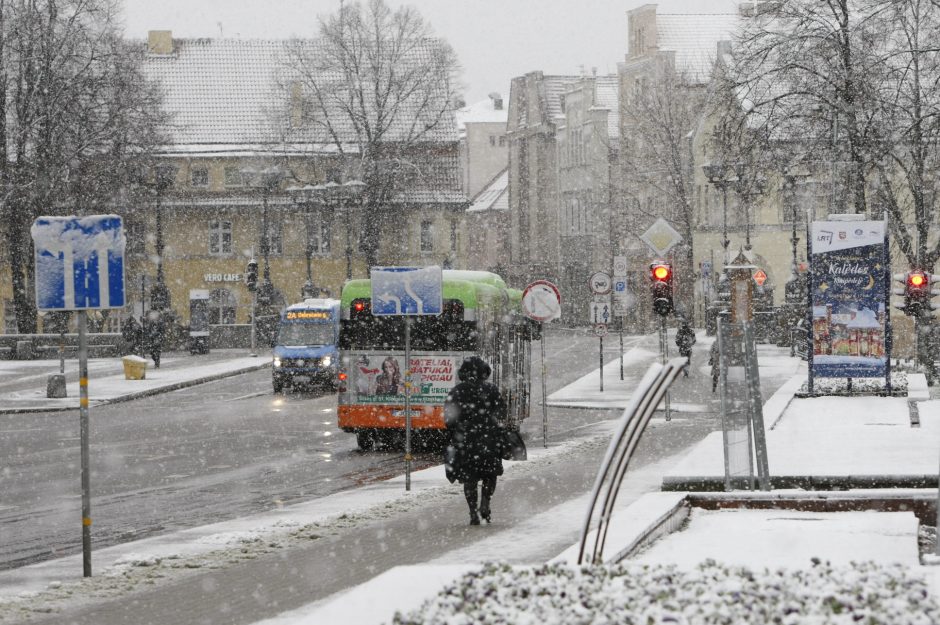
(319, 303)
(470, 287)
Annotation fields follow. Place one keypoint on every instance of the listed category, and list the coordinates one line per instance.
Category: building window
(9, 317)
(233, 177)
(220, 237)
(275, 247)
(427, 236)
(222, 305)
(199, 177)
(135, 238)
(502, 141)
(493, 140)
(319, 234)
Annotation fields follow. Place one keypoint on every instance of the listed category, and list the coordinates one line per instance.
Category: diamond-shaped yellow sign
(661, 237)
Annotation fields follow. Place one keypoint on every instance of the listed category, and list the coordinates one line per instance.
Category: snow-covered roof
(864, 318)
(225, 92)
(494, 196)
(483, 111)
(694, 40)
(607, 95)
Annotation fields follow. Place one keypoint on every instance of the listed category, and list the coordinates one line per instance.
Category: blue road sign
(406, 291)
(79, 262)
(620, 286)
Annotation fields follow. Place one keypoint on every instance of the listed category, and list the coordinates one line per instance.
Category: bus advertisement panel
(378, 377)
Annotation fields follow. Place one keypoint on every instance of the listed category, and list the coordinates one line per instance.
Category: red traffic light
(917, 279)
(661, 273)
(359, 306)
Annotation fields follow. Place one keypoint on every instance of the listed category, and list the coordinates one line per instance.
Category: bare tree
(810, 68)
(75, 113)
(379, 88)
(659, 118)
(909, 99)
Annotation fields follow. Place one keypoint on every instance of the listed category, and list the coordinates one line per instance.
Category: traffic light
(251, 275)
(661, 286)
(918, 288)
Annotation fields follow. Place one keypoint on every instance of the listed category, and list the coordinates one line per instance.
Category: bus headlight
(277, 362)
(326, 361)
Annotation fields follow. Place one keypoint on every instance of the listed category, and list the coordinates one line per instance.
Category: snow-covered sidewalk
(23, 383)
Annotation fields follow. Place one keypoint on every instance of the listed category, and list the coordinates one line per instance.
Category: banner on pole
(849, 298)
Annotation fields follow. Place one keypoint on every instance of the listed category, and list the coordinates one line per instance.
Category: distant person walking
(685, 339)
(714, 359)
(154, 331)
(132, 334)
(472, 413)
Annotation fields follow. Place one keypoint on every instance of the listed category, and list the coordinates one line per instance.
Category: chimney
(296, 105)
(160, 42)
(497, 101)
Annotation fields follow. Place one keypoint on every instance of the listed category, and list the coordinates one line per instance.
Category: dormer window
(199, 177)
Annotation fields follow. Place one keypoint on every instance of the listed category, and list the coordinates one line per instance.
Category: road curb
(141, 394)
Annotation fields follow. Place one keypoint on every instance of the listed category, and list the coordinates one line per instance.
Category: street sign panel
(661, 237)
(760, 276)
(600, 330)
(541, 301)
(600, 283)
(620, 266)
(620, 286)
(79, 262)
(407, 291)
(600, 312)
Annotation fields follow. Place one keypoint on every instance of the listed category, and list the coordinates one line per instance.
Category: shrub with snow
(867, 593)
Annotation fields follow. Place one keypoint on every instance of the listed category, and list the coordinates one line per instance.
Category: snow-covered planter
(860, 386)
(866, 593)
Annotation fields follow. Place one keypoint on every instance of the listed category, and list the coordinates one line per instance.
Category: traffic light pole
(254, 303)
(664, 351)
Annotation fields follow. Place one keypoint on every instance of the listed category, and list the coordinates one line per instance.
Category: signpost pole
(407, 403)
(601, 353)
(83, 429)
(254, 299)
(621, 347)
(544, 392)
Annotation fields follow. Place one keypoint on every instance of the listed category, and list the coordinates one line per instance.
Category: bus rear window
(442, 333)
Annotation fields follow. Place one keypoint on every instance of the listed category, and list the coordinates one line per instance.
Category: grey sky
(495, 39)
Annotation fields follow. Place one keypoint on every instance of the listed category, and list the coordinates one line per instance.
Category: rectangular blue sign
(849, 298)
(79, 262)
(407, 291)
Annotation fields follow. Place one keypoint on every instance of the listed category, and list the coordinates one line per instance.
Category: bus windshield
(305, 334)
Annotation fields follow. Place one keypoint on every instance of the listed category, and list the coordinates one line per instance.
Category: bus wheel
(278, 386)
(365, 439)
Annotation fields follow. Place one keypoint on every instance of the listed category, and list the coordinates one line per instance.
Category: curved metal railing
(649, 393)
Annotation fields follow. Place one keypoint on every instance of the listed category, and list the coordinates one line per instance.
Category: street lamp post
(164, 175)
(720, 175)
(266, 180)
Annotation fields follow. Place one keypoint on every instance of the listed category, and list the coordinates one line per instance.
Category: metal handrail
(649, 393)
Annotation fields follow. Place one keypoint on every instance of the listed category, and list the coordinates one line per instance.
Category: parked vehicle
(305, 352)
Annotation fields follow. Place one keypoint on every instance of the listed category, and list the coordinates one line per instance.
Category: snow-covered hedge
(860, 386)
(865, 593)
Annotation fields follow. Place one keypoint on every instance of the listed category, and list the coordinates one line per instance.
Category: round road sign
(600, 283)
(600, 330)
(541, 301)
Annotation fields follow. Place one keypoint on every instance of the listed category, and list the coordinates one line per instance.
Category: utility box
(198, 321)
(55, 386)
(135, 367)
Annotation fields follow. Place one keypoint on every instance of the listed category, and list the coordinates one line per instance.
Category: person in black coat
(472, 413)
(154, 331)
(685, 339)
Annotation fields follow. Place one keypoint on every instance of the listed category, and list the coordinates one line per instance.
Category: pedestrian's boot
(485, 507)
(474, 518)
